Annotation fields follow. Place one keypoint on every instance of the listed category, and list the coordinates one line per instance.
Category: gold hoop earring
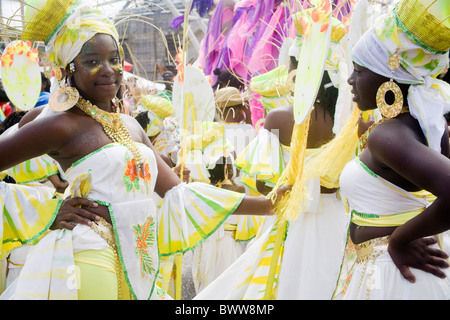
(390, 110)
(63, 99)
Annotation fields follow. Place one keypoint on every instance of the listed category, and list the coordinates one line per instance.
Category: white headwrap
(82, 24)
(428, 97)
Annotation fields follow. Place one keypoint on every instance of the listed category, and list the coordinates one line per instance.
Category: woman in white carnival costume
(397, 189)
(310, 255)
(110, 250)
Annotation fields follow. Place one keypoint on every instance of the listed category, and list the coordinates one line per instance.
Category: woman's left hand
(75, 211)
(420, 255)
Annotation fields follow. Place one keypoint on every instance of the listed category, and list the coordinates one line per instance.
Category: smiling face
(365, 85)
(98, 68)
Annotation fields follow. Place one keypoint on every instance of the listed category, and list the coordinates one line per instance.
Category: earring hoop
(63, 99)
(390, 110)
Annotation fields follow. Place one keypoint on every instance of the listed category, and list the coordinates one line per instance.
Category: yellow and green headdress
(273, 87)
(158, 109)
(205, 147)
(65, 26)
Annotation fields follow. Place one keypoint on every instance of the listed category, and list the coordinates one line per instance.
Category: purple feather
(177, 22)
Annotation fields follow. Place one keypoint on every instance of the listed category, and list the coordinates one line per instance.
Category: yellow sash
(393, 220)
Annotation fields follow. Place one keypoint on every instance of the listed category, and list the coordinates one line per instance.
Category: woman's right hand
(75, 211)
(418, 254)
(186, 173)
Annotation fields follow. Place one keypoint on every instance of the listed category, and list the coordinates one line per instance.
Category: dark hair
(217, 174)
(226, 78)
(11, 120)
(3, 96)
(327, 94)
(446, 77)
(142, 118)
(447, 117)
(46, 83)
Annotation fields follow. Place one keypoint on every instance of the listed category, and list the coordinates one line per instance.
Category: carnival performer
(311, 256)
(110, 247)
(232, 106)
(397, 189)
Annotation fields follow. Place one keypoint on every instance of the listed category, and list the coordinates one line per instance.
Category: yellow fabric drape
(97, 276)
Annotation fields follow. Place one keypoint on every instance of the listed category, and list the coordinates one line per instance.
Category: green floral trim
(344, 257)
(44, 177)
(413, 37)
(257, 173)
(244, 240)
(119, 251)
(365, 215)
(130, 173)
(254, 172)
(110, 145)
(145, 233)
(252, 156)
(250, 187)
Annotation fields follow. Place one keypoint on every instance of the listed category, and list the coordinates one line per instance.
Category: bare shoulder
(54, 126)
(278, 118)
(396, 136)
(31, 115)
(44, 135)
(399, 145)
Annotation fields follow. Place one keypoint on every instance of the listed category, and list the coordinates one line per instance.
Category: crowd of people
(322, 173)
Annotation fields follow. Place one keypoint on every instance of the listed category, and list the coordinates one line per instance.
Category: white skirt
(377, 278)
(213, 256)
(313, 252)
(310, 264)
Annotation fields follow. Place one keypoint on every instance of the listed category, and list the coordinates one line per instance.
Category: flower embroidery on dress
(146, 175)
(131, 176)
(161, 293)
(145, 239)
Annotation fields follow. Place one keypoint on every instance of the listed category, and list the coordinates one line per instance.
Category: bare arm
(262, 187)
(399, 148)
(30, 116)
(40, 136)
(167, 179)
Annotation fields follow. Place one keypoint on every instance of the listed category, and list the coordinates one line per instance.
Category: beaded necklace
(113, 127)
